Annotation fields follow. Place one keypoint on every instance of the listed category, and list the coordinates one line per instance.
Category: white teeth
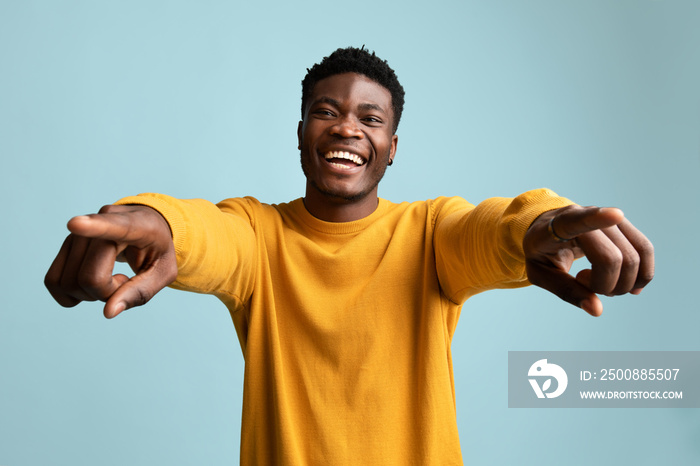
(356, 159)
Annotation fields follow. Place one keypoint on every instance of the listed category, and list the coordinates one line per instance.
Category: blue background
(598, 100)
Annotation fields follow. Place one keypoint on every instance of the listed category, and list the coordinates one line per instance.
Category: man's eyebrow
(369, 106)
(326, 100)
(363, 106)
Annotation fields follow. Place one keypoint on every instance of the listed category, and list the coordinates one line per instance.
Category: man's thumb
(133, 292)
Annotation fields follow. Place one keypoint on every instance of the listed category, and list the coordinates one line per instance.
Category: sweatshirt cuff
(525, 209)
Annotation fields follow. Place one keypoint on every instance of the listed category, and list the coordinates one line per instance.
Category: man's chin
(342, 196)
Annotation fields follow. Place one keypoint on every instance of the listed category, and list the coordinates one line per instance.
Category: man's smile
(343, 160)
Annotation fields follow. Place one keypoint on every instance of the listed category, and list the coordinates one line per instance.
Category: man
(345, 304)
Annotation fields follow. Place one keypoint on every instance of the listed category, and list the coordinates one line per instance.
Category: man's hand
(621, 257)
(82, 270)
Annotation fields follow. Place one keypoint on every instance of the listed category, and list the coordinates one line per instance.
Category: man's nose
(347, 127)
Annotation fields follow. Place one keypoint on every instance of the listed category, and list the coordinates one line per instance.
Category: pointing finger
(574, 222)
(111, 227)
(131, 225)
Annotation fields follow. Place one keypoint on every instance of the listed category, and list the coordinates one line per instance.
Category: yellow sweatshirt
(346, 327)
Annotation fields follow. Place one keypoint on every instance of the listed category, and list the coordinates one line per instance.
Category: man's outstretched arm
(82, 270)
(621, 257)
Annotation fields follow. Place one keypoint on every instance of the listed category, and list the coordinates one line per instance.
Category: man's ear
(299, 128)
(394, 145)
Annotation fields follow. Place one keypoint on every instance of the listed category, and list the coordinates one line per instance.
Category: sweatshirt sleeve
(215, 250)
(481, 248)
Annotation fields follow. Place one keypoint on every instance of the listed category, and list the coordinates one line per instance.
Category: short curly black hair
(354, 60)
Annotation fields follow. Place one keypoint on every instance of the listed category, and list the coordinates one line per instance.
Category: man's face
(346, 138)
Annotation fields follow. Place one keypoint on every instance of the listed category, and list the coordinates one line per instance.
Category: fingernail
(636, 291)
(590, 305)
(118, 308)
(610, 209)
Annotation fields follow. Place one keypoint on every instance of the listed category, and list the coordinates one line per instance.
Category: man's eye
(372, 120)
(323, 112)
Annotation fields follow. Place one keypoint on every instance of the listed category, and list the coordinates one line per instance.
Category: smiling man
(347, 140)
(345, 304)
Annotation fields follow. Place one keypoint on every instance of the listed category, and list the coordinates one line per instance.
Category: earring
(391, 162)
